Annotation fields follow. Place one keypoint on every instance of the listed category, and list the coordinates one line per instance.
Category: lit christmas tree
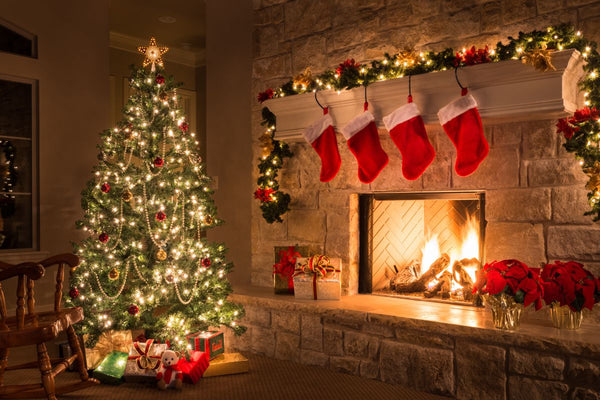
(146, 263)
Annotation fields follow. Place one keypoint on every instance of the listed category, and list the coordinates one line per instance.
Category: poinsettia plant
(570, 284)
(513, 278)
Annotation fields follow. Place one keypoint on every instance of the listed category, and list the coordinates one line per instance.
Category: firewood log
(420, 285)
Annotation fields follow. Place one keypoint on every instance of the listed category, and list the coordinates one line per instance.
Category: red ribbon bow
(287, 263)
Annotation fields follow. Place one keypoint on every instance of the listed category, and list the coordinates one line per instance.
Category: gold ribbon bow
(316, 265)
(143, 359)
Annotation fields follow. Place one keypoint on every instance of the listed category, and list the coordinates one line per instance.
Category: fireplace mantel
(506, 90)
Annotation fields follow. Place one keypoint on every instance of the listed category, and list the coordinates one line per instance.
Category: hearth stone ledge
(437, 348)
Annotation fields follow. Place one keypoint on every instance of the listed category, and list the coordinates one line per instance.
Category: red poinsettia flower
(495, 282)
(264, 195)
(585, 114)
(266, 95)
(513, 278)
(570, 284)
(347, 65)
(563, 126)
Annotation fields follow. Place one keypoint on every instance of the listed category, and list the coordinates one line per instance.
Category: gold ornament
(208, 220)
(161, 255)
(540, 59)
(170, 278)
(304, 79)
(153, 53)
(267, 144)
(113, 274)
(594, 174)
(127, 195)
(407, 57)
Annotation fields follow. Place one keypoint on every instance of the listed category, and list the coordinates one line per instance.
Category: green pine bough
(581, 131)
(145, 260)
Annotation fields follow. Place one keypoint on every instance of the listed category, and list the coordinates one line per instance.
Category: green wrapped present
(112, 368)
(211, 342)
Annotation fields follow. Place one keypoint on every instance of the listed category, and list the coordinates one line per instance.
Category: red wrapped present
(210, 342)
(194, 368)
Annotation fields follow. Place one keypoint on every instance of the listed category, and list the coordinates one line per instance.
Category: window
(18, 161)
(16, 40)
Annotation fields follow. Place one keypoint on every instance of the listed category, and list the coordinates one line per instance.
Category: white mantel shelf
(505, 91)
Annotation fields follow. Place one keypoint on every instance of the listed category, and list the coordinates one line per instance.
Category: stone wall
(452, 360)
(534, 190)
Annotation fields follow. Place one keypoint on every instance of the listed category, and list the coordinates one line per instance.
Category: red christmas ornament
(159, 162)
(105, 188)
(103, 237)
(206, 262)
(133, 309)
(160, 216)
(74, 293)
(184, 126)
(160, 79)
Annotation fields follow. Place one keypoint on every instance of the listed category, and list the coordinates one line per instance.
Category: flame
(431, 252)
(469, 248)
(470, 239)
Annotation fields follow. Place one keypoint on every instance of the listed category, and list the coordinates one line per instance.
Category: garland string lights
(581, 131)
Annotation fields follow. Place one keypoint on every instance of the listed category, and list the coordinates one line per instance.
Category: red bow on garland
(142, 359)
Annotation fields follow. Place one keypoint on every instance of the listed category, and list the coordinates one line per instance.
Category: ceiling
(140, 19)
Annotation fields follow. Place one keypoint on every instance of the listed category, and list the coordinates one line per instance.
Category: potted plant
(568, 289)
(507, 287)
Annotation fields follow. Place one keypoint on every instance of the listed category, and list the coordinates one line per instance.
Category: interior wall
(72, 68)
(229, 153)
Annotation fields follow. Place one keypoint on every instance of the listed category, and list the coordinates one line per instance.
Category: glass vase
(565, 318)
(506, 312)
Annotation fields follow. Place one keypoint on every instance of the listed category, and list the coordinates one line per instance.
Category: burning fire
(469, 248)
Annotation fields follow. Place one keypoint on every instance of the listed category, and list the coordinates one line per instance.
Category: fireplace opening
(421, 245)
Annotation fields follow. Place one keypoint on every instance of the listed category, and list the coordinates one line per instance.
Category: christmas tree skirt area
(267, 379)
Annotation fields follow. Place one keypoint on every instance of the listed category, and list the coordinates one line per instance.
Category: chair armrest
(30, 269)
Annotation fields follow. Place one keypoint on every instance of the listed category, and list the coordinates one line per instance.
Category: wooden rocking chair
(37, 329)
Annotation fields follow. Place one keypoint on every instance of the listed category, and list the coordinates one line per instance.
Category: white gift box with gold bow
(318, 278)
(144, 361)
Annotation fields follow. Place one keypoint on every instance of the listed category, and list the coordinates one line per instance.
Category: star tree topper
(153, 53)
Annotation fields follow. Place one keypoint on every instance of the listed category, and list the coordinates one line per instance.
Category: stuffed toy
(168, 376)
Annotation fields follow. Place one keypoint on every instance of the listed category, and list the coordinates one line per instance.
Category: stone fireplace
(425, 245)
(527, 199)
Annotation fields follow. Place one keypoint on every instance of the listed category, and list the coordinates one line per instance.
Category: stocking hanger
(456, 76)
(317, 100)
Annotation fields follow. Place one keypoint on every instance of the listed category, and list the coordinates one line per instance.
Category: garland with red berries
(582, 130)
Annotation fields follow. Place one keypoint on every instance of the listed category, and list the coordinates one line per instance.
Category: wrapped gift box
(211, 342)
(143, 361)
(107, 342)
(194, 368)
(112, 368)
(283, 282)
(227, 364)
(315, 286)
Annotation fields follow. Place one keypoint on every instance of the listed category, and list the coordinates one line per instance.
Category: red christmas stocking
(407, 130)
(363, 141)
(462, 124)
(321, 136)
